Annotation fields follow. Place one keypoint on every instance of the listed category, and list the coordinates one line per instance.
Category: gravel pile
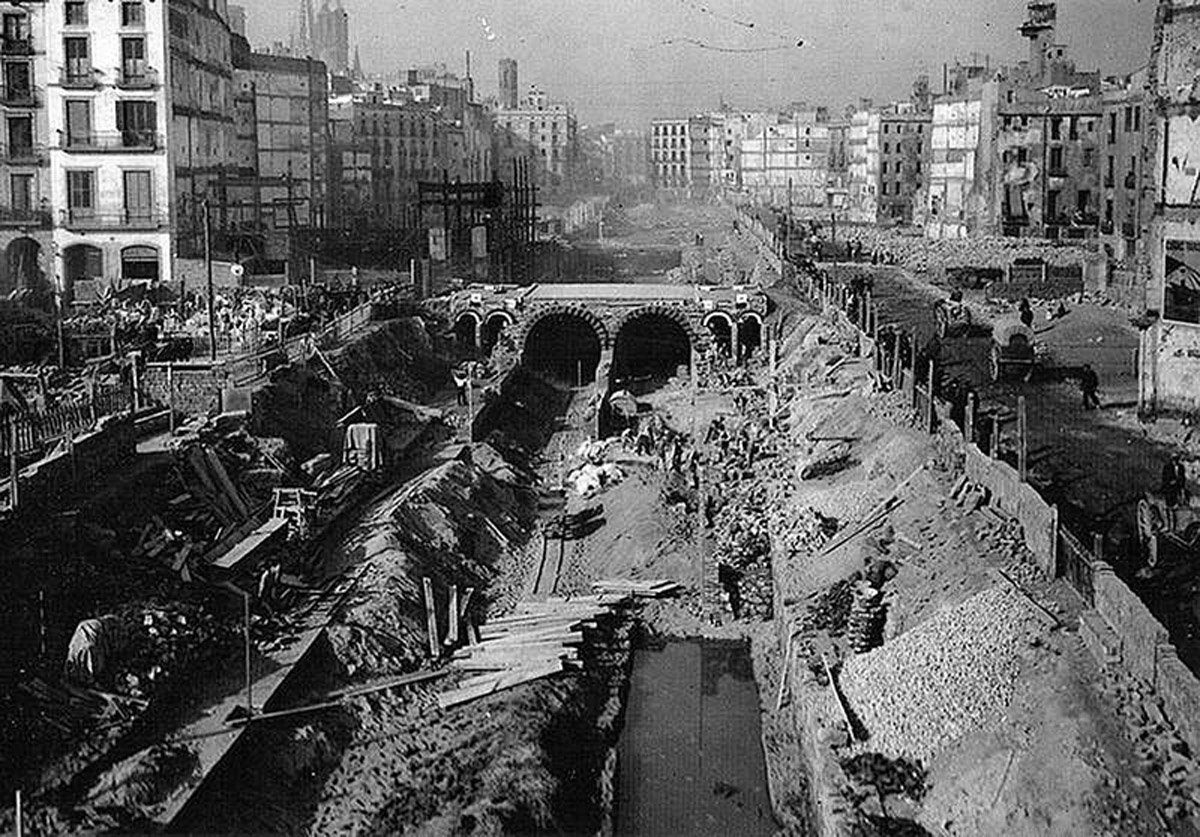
(944, 679)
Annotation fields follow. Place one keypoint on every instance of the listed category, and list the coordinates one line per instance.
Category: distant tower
(1039, 29)
(508, 84)
(357, 73)
(303, 44)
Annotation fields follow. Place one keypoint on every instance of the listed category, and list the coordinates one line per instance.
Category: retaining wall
(49, 483)
(1038, 519)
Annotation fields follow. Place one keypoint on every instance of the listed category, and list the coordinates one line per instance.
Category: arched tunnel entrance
(651, 346)
(564, 346)
(493, 329)
(465, 329)
(749, 336)
(721, 330)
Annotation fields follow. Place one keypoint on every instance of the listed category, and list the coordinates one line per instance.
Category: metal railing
(23, 154)
(82, 219)
(137, 78)
(78, 77)
(1077, 565)
(16, 45)
(24, 217)
(129, 140)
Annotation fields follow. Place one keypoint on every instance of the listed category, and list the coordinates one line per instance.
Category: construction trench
(812, 631)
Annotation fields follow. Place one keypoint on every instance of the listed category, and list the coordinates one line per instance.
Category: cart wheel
(995, 363)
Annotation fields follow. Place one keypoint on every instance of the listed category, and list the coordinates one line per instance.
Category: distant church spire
(358, 70)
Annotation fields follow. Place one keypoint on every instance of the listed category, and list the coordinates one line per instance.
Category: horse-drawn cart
(1014, 351)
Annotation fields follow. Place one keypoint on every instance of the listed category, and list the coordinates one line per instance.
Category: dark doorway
(564, 346)
(651, 346)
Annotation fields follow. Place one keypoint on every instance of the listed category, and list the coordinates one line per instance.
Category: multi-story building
(282, 147)
(1122, 162)
(955, 133)
(108, 113)
(26, 240)
(202, 130)
(737, 127)
(670, 157)
(863, 151)
(1169, 261)
(351, 171)
(905, 151)
(545, 130)
(705, 135)
(627, 157)
(331, 38)
(787, 165)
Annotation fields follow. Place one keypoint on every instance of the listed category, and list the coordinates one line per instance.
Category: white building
(862, 199)
(952, 173)
(788, 165)
(546, 130)
(107, 108)
(670, 157)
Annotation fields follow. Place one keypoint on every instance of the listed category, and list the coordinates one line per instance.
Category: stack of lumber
(537, 640)
(637, 589)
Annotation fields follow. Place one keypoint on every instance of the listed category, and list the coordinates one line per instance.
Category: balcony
(86, 220)
(10, 217)
(20, 96)
(1109, 183)
(23, 155)
(16, 45)
(137, 78)
(78, 77)
(1128, 230)
(116, 141)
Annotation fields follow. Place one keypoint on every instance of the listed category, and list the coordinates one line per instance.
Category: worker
(1026, 313)
(461, 382)
(1089, 384)
(1174, 482)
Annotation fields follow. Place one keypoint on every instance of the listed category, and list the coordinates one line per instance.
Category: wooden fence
(34, 430)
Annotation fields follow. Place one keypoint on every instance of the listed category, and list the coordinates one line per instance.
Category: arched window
(140, 263)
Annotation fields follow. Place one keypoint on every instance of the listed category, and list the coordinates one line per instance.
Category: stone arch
(750, 333)
(671, 312)
(578, 311)
(466, 328)
(495, 323)
(22, 266)
(719, 326)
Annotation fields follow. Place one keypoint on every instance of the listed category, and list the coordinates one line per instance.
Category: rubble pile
(1159, 749)
(921, 254)
(952, 674)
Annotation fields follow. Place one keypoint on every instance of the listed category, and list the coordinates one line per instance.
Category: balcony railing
(16, 46)
(20, 96)
(29, 155)
(83, 220)
(78, 77)
(10, 217)
(113, 141)
(137, 78)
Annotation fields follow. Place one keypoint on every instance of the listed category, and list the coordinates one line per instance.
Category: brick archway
(576, 311)
(670, 312)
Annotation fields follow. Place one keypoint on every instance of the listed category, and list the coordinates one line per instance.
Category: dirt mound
(450, 525)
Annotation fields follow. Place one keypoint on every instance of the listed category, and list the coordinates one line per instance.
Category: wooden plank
(431, 619)
(226, 484)
(452, 616)
(260, 537)
(506, 681)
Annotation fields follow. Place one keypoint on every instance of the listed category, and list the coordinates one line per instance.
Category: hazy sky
(610, 59)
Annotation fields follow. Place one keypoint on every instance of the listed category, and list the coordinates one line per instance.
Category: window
(1056, 128)
(79, 122)
(133, 13)
(78, 60)
(133, 59)
(139, 198)
(21, 192)
(1128, 119)
(1052, 204)
(16, 30)
(81, 193)
(1089, 157)
(1073, 130)
(1112, 128)
(1108, 211)
(887, 129)
(138, 123)
(884, 170)
(1137, 118)
(1110, 172)
(75, 12)
(20, 136)
(1083, 199)
(1056, 160)
(18, 80)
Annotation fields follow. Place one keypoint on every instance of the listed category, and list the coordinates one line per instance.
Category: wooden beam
(435, 650)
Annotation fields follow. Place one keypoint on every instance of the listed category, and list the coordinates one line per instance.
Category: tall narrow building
(508, 84)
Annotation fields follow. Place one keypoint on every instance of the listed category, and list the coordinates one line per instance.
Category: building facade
(1169, 263)
(954, 143)
(108, 113)
(281, 107)
(544, 130)
(787, 165)
(1122, 167)
(670, 156)
(905, 152)
(862, 185)
(27, 263)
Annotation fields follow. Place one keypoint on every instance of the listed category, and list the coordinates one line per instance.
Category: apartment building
(26, 240)
(863, 152)
(107, 110)
(545, 130)
(905, 151)
(787, 165)
(1122, 165)
(669, 153)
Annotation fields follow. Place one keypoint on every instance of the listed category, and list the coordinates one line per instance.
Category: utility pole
(208, 269)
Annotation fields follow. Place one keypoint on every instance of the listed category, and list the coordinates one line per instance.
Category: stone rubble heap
(945, 678)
